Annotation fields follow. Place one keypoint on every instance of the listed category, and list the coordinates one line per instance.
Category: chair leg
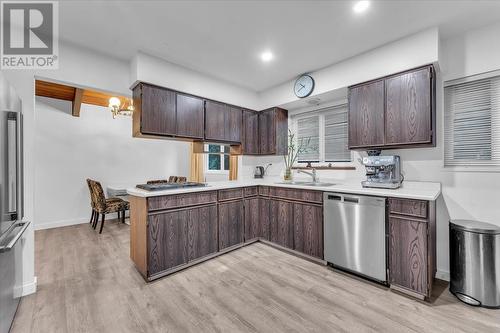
(102, 222)
(96, 218)
(92, 217)
(118, 213)
(123, 216)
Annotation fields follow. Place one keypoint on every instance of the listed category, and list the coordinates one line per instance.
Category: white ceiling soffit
(224, 39)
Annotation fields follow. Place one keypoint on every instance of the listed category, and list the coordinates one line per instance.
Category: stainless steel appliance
(475, 262)
(354, 234)
(11, 204)
(382, 172)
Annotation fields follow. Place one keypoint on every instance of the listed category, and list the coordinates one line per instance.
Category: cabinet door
(264, 218)
(408, 254)
(167, 229)
(281, 223)
(408, 108)
(366, 115)
(250, 140)
(215, 115)
(308, 229)
(267, 133)
(202, 232)
(230, 223)
(233, 125)
(190, 117)
(252, 225)
(158, 114)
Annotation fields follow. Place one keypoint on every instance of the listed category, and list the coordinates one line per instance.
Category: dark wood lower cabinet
(408, 254)
(231, 215)
(202, 232)
(308, 229)
(281, 222)
(170, 228)
(256, 218)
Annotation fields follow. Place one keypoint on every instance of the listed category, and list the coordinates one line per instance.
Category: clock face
(304, 86)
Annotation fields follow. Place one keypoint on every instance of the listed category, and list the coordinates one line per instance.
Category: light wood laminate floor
(87, 283)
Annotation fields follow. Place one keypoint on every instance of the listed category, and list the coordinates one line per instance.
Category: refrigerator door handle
(22, 226)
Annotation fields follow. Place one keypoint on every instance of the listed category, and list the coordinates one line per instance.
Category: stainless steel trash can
(475, 262)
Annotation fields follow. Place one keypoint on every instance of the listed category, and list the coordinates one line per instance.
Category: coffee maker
(382, 171)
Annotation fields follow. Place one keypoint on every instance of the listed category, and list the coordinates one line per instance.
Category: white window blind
(472, 123)
(336, 146)
(327, 130)
(308, 135)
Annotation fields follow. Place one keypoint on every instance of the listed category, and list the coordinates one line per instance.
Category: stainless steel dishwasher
(354, 237)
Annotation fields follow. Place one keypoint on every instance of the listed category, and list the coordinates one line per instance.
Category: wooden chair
(104, 206)
(92, 201)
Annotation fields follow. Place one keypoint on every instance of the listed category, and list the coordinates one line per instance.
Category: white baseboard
(443, 275)
(26, 289)
(62, 223)
(65, 223)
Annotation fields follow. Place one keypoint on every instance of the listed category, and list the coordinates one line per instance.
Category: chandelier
(121, 109)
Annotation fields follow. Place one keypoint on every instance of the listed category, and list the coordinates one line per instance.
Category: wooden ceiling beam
(77, 96)
(77, 102)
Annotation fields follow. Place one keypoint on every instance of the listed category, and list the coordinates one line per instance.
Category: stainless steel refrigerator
(12, 226)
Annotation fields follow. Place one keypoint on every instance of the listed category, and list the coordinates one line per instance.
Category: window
(472, 122)
(217, 162)
(325, 132)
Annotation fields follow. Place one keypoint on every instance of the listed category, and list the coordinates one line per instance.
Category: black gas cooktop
(168, 186)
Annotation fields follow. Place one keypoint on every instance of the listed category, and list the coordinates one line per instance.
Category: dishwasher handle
(355, 199)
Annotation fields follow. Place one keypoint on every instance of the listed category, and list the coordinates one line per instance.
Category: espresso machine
(382, 171)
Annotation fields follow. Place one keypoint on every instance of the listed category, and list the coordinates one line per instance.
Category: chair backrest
(92, 203)
(98, 197)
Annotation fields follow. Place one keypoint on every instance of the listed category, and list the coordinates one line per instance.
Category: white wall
(78, 66)
(68, 150)
(150, 69)
(412, 51)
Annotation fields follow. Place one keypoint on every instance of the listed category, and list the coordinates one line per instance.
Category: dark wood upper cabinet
(231, 217)
(250, 133)
(233, 124)
(273, 131)
(190, 116)
(158, 115)
(408, 103)
(215, 113)
(366, 115)
(396, 111)
(222, 122)
(161, 112)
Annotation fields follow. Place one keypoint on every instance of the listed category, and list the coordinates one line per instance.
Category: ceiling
(224, 39)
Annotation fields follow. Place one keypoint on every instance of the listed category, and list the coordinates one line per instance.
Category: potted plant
(295, 148)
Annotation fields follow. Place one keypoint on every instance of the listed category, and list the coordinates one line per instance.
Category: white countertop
(409, 190)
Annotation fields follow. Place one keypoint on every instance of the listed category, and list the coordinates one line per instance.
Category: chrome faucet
(315, 178)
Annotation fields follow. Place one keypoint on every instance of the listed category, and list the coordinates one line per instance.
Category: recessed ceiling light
(266, 56)
(361, 6)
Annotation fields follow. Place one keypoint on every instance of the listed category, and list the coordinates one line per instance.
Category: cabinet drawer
(251, 191)
(181, 200)
(296, 194)
(409, 207)
(230, 194)
(264, 190)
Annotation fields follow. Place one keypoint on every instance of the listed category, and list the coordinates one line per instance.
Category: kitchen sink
(304, 183)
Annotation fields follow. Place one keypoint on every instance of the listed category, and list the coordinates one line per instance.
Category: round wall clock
(304, 86)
